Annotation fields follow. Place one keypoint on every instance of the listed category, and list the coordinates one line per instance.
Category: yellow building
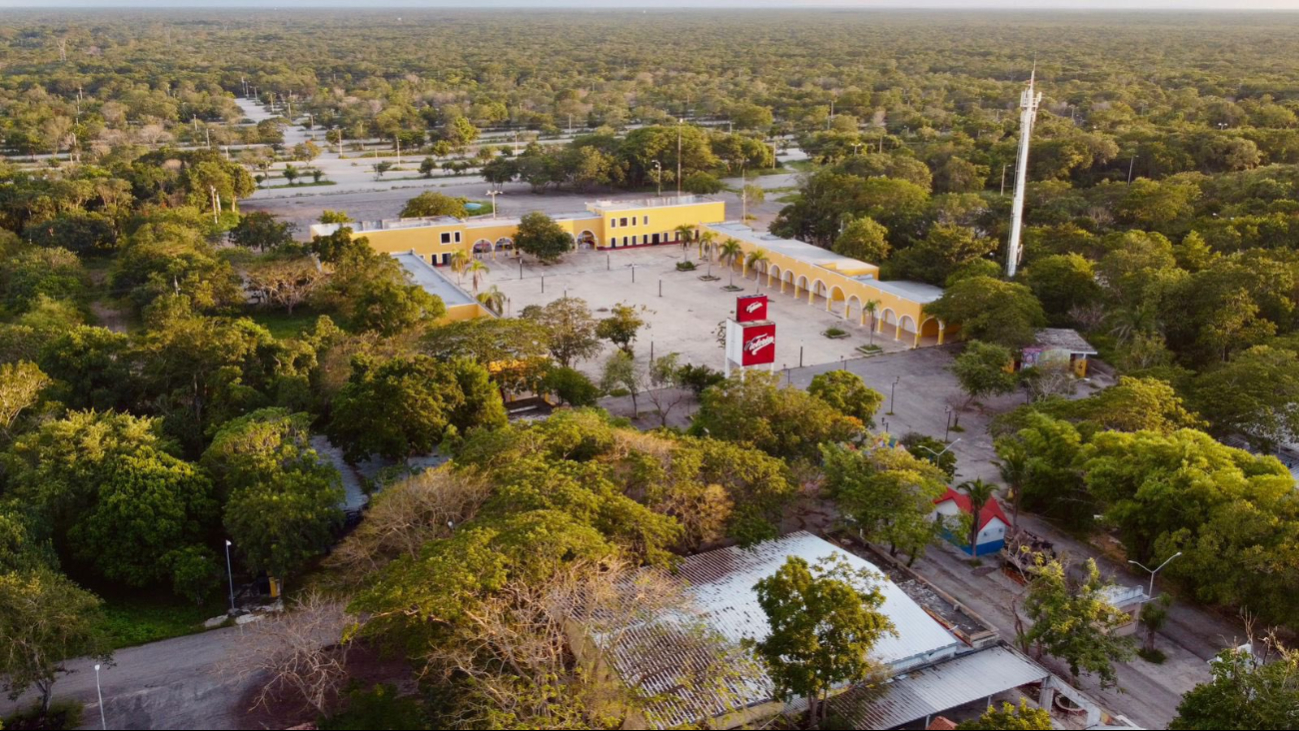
(603, 225)
(842, 285)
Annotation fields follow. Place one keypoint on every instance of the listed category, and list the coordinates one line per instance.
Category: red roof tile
(989, 511)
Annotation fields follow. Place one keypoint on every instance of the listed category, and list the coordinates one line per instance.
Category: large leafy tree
(540, 236)
(118, 500)
(570, 327)
(991, 310)
(847, 392)
(782, 421)
(283, 500)
(983, 370)
(825, 621)
(429, 204)
(1074, 621)
(262, 231)
(865, 240)
(887, 493)
(44, 619)
(404, 406)
(1245, 693)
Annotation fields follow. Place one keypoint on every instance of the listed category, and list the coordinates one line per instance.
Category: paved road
(173, 684)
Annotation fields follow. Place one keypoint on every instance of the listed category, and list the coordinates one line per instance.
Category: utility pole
(679, 123)
(1028, 102)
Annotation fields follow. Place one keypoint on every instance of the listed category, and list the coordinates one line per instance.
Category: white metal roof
(794, 249)
(923, 693)
(722, 584)
(433, 282)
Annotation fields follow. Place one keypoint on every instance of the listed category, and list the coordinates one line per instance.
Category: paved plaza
(684, 310)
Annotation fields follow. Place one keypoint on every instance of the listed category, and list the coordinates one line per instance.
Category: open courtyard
(683, 310)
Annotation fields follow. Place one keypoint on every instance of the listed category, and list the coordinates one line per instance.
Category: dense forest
(164, 355)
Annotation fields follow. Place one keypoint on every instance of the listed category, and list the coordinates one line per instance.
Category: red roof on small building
(989, 511)
(942, 723)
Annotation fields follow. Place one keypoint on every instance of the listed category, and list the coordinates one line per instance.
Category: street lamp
(947, 429)
(230, 574)
(1151, 592)
(103, 722)
(939, 454)
(493, 194)
(892, 390)
(658, 176)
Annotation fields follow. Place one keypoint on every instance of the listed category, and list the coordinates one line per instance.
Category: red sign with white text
(759, 345)
(751, 308)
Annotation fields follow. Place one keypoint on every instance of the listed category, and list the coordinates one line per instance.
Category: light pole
(103, 722)
(939, 454)
(493, 194)
(658, 176)
(892, 390)
(1154, 571)
(230, 574)
(947, 429)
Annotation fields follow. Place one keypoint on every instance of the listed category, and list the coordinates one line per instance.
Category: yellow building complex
(846, 286)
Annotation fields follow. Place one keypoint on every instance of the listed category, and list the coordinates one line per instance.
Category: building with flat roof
(846, 286)
(603, 225)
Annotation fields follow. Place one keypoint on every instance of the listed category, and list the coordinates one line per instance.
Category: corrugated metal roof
(927, 692)
(722, 584)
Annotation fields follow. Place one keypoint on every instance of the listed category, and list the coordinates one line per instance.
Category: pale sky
(1170, 5)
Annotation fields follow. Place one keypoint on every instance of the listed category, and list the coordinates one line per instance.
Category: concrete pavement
(173, 684)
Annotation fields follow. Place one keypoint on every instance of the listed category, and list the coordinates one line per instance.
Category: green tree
(984, 369)
(570, 328)
(51, 272)
(429, 204)
(117, 500)
(334, 247)
(943, 251)
(622, 325)
(540, 236)
(990, 310)
(847, 392)
(390, 307)
(887, 493)
(729, 253)
(283, 499)
(260, 230)
(786, 423)
(1254, 395)
(1075, 622)
(1136, 404)
(622, 372)
(824, 624)
(571, 386)
(45, 619)
(1243, 694)
(1010, 718)
(1064, 284)
(864, 240)
(405, 406)
(21, 385)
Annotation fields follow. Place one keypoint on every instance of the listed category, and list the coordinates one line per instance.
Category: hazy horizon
(1036, 5)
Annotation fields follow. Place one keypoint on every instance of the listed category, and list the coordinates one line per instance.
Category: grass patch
(709, 278)
(686, 266)
(312, 184)
(1154, 657)
(869, 349)
(63, 714)
(835, 333)
(733, 288)
(143, 618)
(283, 325)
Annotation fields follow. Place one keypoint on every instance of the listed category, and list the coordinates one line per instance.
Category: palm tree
(493, 299)
(980, 494)
(460, 262)
(1014, 470)
(757, 256)
(477, 270)
(686, 233)
(871, 307)
(706, 241)
(730, 253)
